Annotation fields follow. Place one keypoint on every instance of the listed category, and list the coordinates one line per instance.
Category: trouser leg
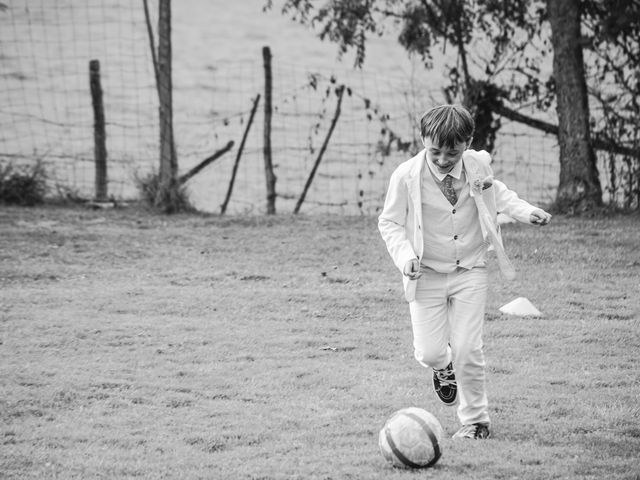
(468, 296)
(429, 320)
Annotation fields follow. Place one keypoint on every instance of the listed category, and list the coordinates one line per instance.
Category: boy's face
(443, 157)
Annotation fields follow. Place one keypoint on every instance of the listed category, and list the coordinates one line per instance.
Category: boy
(438, 220)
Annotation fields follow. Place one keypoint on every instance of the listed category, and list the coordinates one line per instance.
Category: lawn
(140, 346)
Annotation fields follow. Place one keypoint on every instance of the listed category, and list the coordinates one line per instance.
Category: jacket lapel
(414, 185)
(472, 171)
(414, 180)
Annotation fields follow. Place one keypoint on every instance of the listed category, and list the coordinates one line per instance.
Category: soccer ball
(411, 438)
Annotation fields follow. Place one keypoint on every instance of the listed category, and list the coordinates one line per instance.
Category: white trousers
(447, 317)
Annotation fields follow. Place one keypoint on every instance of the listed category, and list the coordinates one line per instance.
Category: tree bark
(167, 197)
(579, 187)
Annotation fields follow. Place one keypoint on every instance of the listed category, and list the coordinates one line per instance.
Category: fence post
(336, 115)
(268, 161)
(99, 133)
(223, 207)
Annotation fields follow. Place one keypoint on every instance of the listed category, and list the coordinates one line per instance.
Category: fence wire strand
(45, 114)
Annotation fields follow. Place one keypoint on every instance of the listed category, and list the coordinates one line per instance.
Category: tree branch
(598, 143)
(511, 114)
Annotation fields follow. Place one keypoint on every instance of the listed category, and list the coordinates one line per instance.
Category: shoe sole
(471, 438)
(464, 437)
(448, 404)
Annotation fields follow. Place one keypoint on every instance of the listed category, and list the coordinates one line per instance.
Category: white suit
(400, 222)
(447, 307)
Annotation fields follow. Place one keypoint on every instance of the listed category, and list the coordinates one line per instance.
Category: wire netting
(46, 115)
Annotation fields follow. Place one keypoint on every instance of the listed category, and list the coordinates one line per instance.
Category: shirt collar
(456, 172)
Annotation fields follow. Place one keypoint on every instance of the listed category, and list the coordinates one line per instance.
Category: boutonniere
(480, 184)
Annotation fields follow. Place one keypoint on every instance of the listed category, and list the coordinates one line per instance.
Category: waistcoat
(452, 233)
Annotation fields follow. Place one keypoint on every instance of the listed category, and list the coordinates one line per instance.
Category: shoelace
(444, 376)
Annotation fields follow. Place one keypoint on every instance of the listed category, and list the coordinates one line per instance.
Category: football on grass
(411, 438)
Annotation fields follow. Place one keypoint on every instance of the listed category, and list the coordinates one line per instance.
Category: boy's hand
(412, 269)
(539, 217)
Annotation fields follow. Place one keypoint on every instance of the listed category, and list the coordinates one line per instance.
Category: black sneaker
(444, 383)
(476, 431)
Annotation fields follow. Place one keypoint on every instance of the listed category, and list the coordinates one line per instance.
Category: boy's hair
(447, 125)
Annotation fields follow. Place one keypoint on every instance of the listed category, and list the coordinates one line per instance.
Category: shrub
(148, 187)
(26, 185)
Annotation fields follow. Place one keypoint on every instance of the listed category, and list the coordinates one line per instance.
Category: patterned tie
(448, 190)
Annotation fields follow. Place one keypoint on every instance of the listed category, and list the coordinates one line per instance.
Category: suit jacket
(401, 223)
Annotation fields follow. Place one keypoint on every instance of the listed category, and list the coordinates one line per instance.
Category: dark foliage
(24, 186)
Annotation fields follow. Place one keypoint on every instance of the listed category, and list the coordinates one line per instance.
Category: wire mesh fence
(45, 115)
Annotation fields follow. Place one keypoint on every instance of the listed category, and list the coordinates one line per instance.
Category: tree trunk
(579, 188)
(167, 197)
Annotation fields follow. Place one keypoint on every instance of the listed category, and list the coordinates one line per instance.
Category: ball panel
(398, 453)
(434, 441)
(428, 418)
(411, 438)
(387, 451)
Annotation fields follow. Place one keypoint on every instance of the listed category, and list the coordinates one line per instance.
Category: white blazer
(400, 222)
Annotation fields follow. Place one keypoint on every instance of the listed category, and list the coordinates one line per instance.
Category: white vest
(452, 234)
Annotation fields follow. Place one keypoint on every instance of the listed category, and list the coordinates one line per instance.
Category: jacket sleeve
(508, 202)
(392, 221)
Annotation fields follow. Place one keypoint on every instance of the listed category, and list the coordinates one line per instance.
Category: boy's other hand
(412, 269)
(539, 217)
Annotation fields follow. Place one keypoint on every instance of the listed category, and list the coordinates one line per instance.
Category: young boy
(438, 221)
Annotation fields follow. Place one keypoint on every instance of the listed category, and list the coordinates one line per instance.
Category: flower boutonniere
(480, 184)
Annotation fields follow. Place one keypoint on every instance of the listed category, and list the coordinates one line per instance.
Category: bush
(25, 186)
(148, 187)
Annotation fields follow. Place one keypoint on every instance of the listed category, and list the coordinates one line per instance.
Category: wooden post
(195, 170)
(223, 207)
(336, 115)
(168, 187)
(268, 162)
(99, 133)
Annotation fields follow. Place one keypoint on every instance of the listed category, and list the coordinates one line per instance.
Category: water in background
(217, 71)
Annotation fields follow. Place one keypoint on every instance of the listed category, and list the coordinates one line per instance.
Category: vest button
(457, 262)
(455, 237)
(454, 211)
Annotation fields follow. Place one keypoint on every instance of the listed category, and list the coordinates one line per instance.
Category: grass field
(143, 346)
